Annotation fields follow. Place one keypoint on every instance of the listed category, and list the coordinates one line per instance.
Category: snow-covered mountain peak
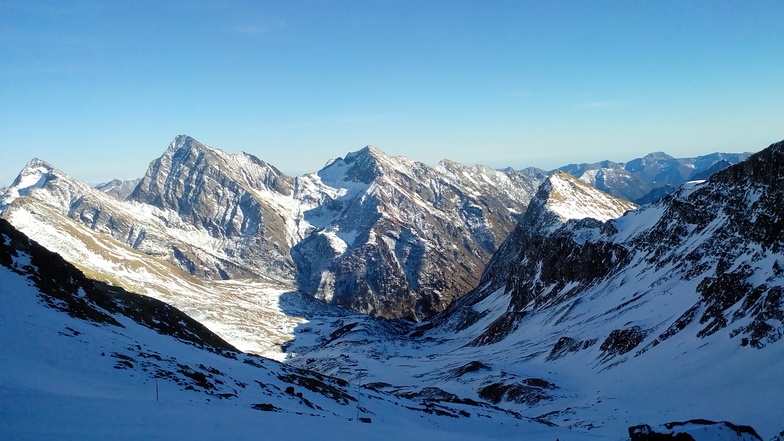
(368, 152)
(369, 163)
(359, 166)
(184, 142)
(185, 151)
(647, 179)
(183, 147)
(369, 223)
(449, 165)
(562, 197)
(35, 175)
(189, 160)
(388, 223)
(34, 170)
(679, 302)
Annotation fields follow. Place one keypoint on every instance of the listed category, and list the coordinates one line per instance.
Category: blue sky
(99, 88)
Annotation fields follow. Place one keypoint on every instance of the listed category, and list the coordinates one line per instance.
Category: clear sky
(100, 88)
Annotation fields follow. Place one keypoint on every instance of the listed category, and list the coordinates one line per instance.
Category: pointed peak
(364, 165)
(367, 151)
(448, 164)
(34, 175)
(657, 155)
(561, 181)
(562, 197)
(36, 169)
(373, 150)
(181, 142)
(37, 163)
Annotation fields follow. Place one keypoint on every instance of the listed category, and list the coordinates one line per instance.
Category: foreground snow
(67, 378)
(32, 415)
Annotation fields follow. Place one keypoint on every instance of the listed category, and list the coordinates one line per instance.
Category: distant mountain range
(373, 233)
(647, 179)
(590, 317)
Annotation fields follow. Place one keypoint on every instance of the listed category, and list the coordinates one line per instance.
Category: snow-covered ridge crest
(562, 198)
(36, 180)
(375, 233)
(33, 175)
(569, 198)
(231, 216)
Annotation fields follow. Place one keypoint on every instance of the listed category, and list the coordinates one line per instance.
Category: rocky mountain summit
(395, 238)
(377, 234)
(538, 255)
(237, 201)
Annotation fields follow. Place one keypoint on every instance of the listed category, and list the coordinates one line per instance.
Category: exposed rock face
(545, 263)
(119, 189)
(647, 179)
(720, 240)
(693, 430)
(529, 391)
(643, 316)
(402, 239)
(208, 223)
(373, 233)
(237, 199)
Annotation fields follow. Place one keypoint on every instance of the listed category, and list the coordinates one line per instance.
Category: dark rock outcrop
(693, 430)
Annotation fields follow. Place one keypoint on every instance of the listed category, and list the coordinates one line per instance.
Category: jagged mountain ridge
(374, 233)
(542, 366)
(118, 188)
(720, 233)
(41, 193)
(647, 179)
(369, 224)
(397, 226)
(671, 308)
(90, 358)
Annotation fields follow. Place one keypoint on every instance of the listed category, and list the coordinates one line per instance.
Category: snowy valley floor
(30, 415)
(63, 378)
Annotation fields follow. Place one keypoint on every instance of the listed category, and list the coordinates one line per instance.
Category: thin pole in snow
(156, 389)
(359, 393)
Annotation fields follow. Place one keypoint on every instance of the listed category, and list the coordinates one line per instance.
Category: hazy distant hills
(644, 180)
